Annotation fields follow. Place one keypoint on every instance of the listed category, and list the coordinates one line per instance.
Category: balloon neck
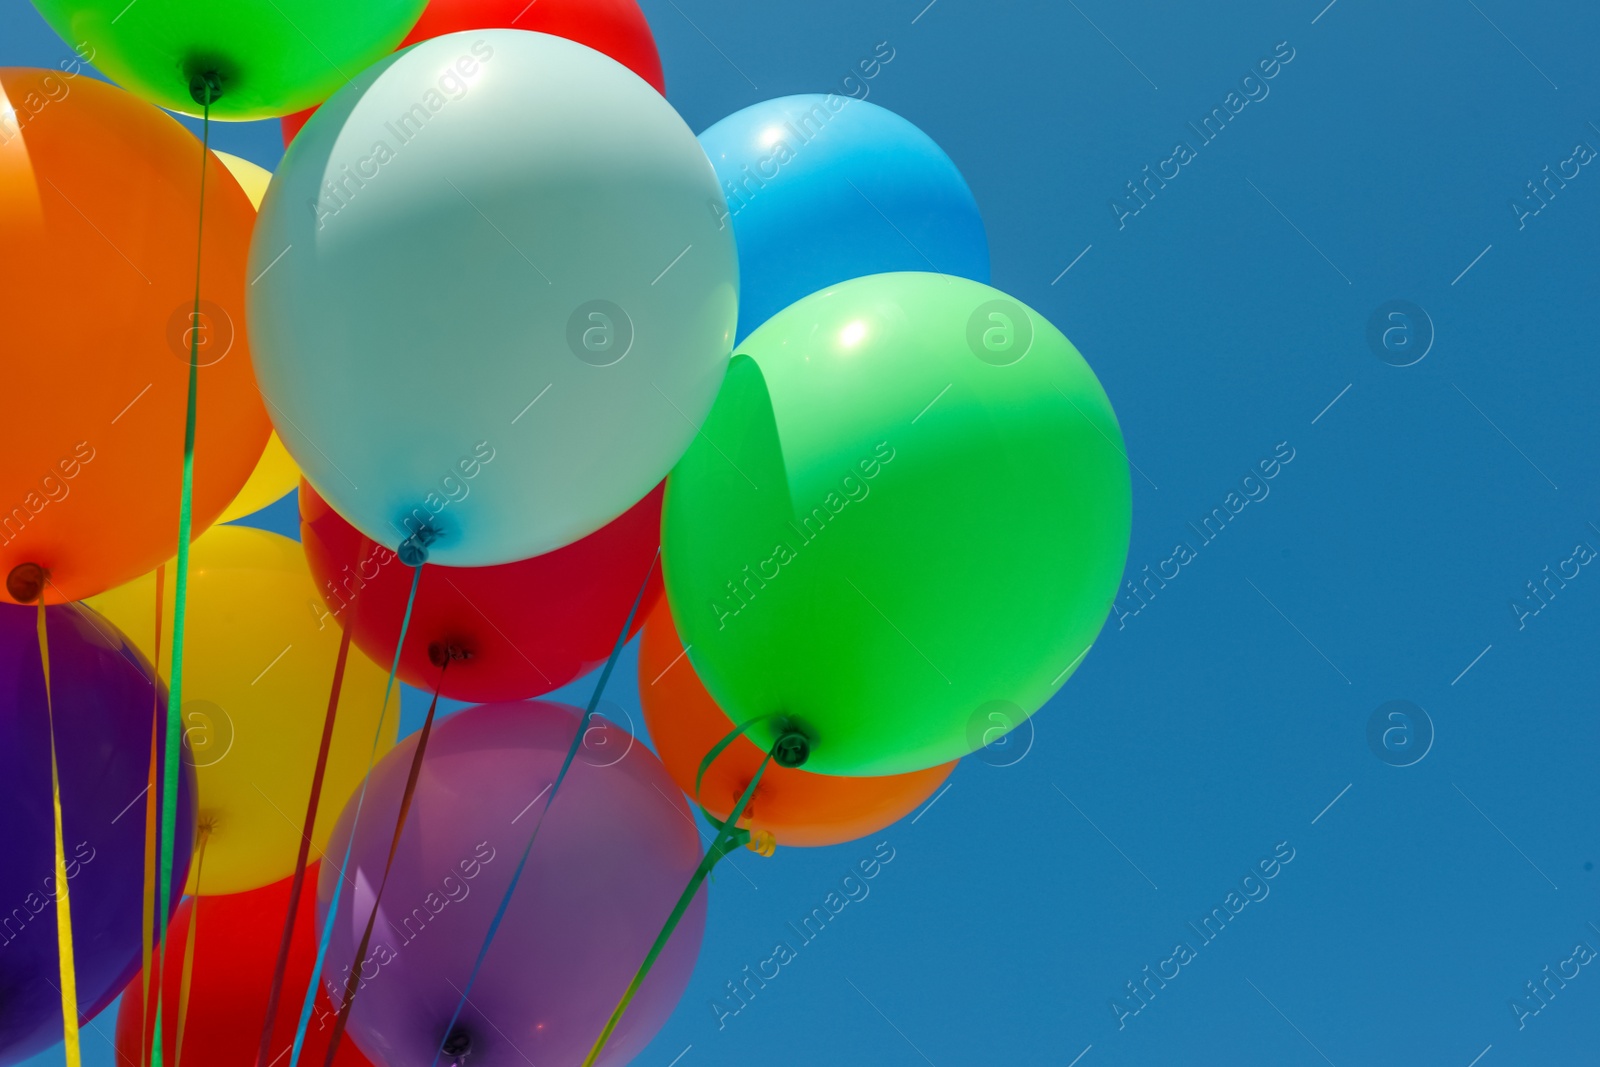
(413, 551)
(793, 746)
(25, 583)
(205, 87)
(440, 654)
(458, 1046)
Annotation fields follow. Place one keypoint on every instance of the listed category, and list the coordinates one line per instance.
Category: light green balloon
(902, 526)
(273, 57)
(492, 294)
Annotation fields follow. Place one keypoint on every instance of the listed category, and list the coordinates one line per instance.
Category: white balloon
(492, 294)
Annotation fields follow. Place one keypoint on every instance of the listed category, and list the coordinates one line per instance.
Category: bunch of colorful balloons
(553, 370)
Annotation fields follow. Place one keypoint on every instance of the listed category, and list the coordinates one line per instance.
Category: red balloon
(615, 27)
(235, 951)
(528, 627)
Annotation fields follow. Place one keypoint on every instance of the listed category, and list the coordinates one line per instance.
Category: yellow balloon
(274, 478)
(252, 179)
(258, 663)
(275, 475)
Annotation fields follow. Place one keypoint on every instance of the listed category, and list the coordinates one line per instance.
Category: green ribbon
(724, 843)
(720, 746)
(208, 90)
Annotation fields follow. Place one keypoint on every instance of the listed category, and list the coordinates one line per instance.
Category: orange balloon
(795, 806)
(99, 217)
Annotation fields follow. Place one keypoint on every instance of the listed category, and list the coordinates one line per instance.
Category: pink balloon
(614, 854)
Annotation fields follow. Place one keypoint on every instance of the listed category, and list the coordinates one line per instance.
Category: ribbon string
(151, 816)
(726, 840)
(353, 982)
(791, 749)
(205, 88)
(721, 746)
(561, 775)
(295, 887)
(186, 974)
(416, 563)
(68, 968)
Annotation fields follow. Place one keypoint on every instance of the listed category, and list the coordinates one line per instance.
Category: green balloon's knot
(205, 87)
(792, 748)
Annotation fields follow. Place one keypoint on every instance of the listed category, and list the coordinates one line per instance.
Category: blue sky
(1440, 860)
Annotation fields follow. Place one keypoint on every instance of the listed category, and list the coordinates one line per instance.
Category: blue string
(572, 752)
(338, 886)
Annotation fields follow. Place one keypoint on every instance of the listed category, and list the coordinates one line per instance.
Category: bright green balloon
(902, 526)
(273, 56)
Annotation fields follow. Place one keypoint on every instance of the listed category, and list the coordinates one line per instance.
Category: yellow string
(69, 973)
(152, 806)
(188, 943)
(762, 843)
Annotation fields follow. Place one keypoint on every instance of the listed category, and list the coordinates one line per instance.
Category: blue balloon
(823, 188)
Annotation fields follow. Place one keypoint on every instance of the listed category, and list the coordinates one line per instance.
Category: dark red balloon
(614, 27)
(235, 951)
(528, 627)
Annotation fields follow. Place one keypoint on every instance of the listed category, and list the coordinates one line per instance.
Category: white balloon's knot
(413, 551)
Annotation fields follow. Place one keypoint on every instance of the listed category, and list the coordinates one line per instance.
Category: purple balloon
(614, 854)
(103, 699)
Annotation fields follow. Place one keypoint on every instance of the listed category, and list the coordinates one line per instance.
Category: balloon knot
(792, 748)
(458, 1045)
(205, 88)
(440, 654)
(413, 551)
(762, 843)
(26, 581)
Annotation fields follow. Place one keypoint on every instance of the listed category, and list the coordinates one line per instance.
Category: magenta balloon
(103, 699)
(613, 856)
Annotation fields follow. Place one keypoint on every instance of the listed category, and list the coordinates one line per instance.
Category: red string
(353, 983)
(263, 1057)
